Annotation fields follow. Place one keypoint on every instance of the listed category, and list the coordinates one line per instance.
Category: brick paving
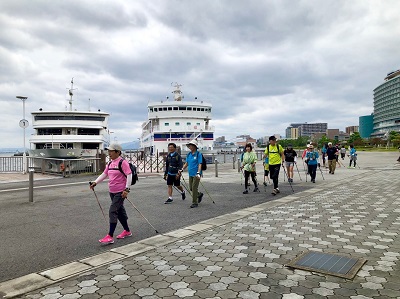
(357, 215)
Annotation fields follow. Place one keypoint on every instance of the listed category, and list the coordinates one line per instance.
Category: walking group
(119, 172)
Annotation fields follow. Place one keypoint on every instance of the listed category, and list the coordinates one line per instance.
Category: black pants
(246, 178)
(274, 174)
(117, 210)
(312, 170)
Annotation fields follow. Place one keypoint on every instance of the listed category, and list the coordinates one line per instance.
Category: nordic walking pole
(184, 185)
(306, 171)
(207, 192)
(104, 216)
(284, 170)
(142, 215)
(319, 166)
(295, 163)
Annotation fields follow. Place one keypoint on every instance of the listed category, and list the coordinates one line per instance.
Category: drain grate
(328, 263)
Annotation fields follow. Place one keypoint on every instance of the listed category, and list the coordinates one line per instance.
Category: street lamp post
(23, 123)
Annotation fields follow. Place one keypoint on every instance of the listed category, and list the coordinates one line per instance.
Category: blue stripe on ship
(166, 136)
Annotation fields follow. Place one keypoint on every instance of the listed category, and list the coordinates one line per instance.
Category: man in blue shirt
(173, 164)
(193, 164)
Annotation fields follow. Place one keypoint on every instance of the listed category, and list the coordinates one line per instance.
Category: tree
(355, 139)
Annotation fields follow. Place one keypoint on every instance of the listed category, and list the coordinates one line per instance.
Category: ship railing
(66, 167)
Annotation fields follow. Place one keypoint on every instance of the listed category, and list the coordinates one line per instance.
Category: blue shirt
(312, 158)
(193, 161)
(353, 152)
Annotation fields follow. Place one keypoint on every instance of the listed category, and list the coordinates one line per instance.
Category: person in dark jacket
(171, 174)
(332, 153)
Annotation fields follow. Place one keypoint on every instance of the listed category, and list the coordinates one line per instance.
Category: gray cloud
(262, 64)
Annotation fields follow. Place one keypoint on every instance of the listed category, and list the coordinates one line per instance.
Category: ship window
(155, 109)
(169, 108)
(198, 124)
(182, 108)
(202, 109)
(50, 131)
(165, 109)
(189, 108)
(177, 123)
(151, 109)
(166, 124)
(175, 108)
(88, 131)
(188, 124)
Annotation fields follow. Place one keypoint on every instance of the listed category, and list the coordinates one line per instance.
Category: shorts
(289, 164)
(171, 180)
(266, 172)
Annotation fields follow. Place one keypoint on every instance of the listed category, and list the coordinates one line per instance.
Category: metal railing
(11, 164)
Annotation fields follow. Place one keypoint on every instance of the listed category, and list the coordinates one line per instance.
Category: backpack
(133, 170)
(203, 161)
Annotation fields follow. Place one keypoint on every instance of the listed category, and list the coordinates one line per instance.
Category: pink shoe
(107, 240)
(124, 234)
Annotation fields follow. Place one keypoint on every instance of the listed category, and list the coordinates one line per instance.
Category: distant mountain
(130, 145)
(11, 150)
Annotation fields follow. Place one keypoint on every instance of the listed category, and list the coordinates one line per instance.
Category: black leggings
(246, 178)
(274, 173)
(312, 170)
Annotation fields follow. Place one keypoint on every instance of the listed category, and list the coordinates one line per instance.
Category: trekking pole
(319, 166)
(241, 177)
(207, 192)
(306, 171)
(104, 216)
(142, 215)
(255, 178)
(184, 185)
(298, 171)
(284, 170)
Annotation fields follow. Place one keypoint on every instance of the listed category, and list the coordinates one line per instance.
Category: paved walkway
(243, 254)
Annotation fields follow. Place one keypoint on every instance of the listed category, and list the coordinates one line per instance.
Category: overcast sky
(262, 64)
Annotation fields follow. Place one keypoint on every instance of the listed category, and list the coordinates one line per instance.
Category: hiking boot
(107, 240)
(169, 200)
(256, 189)
(265, 184)
(124, 234)
(274, 192)
(194, 205)
(246, 191)
(330, 171)
(200, 197)
(183, 195)
(277, 190)
(313, 181)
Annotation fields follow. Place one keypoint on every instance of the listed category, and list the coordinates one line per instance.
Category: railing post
(238, 164)
(234, 161)
(224, 157)
(216, 167)
(31, 171)
(157, 161)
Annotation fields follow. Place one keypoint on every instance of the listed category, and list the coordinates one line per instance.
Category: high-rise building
(306, 129)
(366, 125)
(351, 129)
(387, 105)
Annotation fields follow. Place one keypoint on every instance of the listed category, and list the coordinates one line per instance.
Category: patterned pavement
(243, 255)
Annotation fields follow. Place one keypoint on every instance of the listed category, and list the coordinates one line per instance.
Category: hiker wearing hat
(274, 151)
(290, 158)
(118, 185)
(332, 153)
(312, 162)
(193, 164)
(249, 166)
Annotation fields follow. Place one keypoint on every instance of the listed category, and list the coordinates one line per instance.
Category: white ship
(68, 134)
(177, 121)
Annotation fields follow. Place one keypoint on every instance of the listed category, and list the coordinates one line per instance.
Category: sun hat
(193, 142)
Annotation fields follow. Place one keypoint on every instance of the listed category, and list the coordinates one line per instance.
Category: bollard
(234, 161)
(224, 157)
(239, 165)
(31, 171)
(216, 167)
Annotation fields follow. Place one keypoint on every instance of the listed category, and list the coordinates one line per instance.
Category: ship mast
(70, 92)
(177, 92)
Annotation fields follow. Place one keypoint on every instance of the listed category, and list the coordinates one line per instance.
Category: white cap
(114, 147)
(329, 143)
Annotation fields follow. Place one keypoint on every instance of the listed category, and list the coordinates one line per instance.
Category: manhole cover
(328, 263)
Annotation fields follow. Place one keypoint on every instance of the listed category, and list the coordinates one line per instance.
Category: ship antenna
(70, 92)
